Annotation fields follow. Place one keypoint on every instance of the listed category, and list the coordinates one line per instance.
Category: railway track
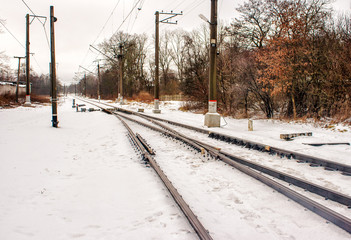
(147, 155)
(302, 158)
(254, 170)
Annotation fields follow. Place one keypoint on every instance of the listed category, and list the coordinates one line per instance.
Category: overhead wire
(108, 19)
(125, 18)
(129, 20)
(43, 23)
(192, 5)
(106, 25)
(133, 8)
(8, 30)
(136, 16)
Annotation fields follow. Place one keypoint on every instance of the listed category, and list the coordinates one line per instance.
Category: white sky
(80, 22)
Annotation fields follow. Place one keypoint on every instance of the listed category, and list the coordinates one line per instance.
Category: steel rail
(140, 143)
(314, 188)
(193, 220)
(315, 161)
(306, 185)
(332, 216)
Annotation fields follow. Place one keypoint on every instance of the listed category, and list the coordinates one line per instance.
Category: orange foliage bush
(143, 97)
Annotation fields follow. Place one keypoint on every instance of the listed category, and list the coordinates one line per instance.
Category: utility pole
(157, 68)
(18, 75)
(99, 80)
(120, 57)
(27, 63)
(85, 84)
(85, 78)
(212, 118)
(157, 50)
(28, 90)
(53, 68)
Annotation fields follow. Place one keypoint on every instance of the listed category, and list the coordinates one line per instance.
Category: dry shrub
(342, 111)
(144, 97)
(40, 98)
(8, 101)
(196, 107)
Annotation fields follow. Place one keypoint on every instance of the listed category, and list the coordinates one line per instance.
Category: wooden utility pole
(27, 62)
(85, 84)
(157, 68)
(18, 75)
(120, 57)
(157, 50)
(213, 53)
(99, 80)
(53, 68)
(212, 118)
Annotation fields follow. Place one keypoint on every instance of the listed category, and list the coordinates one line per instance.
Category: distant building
(9, 88)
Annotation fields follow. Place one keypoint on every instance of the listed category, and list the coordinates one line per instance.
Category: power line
(139, 8)
(8, 30)
(127, 16)
(102, 29)
(43, 23)
(12, 34)
(108, 19)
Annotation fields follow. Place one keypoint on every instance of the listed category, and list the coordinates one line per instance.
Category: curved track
(253, 170)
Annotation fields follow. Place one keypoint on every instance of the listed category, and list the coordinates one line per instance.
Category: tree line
(280, 57)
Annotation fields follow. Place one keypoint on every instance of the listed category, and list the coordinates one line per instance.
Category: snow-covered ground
(268, 131)
(84, 181)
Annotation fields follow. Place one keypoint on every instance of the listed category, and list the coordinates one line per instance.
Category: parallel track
(248, 168)
(330, 165)
(146, 153)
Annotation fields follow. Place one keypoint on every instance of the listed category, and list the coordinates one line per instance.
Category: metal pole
(53, 68)
(156, 83)
(27, 62)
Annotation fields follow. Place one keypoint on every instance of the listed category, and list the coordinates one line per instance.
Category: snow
(85, 181)
(268, 132)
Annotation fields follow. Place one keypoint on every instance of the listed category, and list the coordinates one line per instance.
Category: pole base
(27, 103)
(156, 111)
(157, 106)
(212, 120)
(54, 121)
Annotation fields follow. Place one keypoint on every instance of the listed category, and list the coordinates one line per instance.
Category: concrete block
(250, 125)
(156, 111)
(212, 120)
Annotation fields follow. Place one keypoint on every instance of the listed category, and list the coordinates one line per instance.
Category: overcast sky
(81, 21)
